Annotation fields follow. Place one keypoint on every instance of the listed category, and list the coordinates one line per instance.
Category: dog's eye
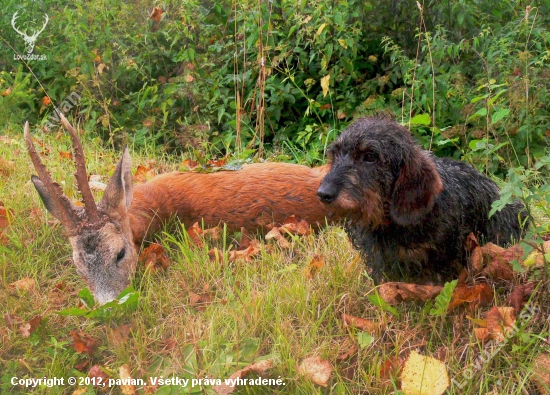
(120, 255)
(370, 157)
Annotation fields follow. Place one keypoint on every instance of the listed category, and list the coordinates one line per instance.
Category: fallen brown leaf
(156, 14)
(316, 369)
(6, 217)
(247, 254)
(169, 344)
(315, 265)
(499, 321)
(12, 321)
(475, 295)
(26, 329)
(190, 164)
(7, 167)
(143, 174)
(295, 227)
(274, 233)
(126, 377)
(360, 323)
(195, 233)
(346, 350)
(259, 368)
(65, 154)
(215, 255)
(541, 373)
(83, 343)
(200, 301)
(498, 258)
(392, 367)
(397, 292)
(119, 335)
(519, 296)
(154, 257)
(97, 373)
(24, 285)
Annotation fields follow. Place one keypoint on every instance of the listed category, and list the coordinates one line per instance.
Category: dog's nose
(326, 193)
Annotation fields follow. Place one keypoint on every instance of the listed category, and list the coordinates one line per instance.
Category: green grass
(264, 308)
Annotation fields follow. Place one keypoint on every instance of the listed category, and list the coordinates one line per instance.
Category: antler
(35, 35)
(13, 19)
(64, 209)
(80, 175)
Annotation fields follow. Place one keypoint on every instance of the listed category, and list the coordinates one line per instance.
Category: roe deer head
(101, 237)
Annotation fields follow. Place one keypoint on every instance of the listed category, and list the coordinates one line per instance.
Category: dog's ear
(416, 188)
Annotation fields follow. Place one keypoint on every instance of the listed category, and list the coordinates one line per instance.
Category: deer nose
(327, 193)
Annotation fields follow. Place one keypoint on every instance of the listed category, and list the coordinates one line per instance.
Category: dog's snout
(327, 193)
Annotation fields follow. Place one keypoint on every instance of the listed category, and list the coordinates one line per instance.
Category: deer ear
(119, 192)
(416, 188)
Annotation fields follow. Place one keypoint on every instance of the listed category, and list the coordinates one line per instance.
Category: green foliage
(443, 299)
(469, 77)
(126, 302)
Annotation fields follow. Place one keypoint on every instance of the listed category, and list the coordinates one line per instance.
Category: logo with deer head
(30, 32)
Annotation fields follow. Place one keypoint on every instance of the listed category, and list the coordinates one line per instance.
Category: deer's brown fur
(106, 237)
(250, 198)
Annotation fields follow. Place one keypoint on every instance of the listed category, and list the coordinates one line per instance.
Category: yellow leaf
(342, 43)
(424, 375)
(320, 30)
(325, 82)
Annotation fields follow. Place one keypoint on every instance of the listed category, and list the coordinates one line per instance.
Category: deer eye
(370, 157)
(120, 255)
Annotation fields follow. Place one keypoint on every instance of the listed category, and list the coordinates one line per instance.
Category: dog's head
(379, 174)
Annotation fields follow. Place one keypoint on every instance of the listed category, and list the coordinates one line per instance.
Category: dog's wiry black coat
(409, 212)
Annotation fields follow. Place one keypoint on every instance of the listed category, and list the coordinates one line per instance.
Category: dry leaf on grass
(200, 301)
(246, 254)
(6, 216)
(316, 369)
(315, 265)
(541, 373)
(392, 367)
(26, 329)
(499, 321)
(24, 285)
(169, 344)
(360, 323)
(423, 375)
(519, 295)
(196, 234)
(274, 233)
(126, 378)
(97, 373)
(475, 296)
(144, 173)
(119, 335)
(154, 257)
(228, 386)
(396, 292)
(156, 14)
(346, 350)
(498, 258)
(296, 227)
(190, 164)
(12, 320)
(7, 167)
(83, 343)
(80, 391)
(215, 255)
